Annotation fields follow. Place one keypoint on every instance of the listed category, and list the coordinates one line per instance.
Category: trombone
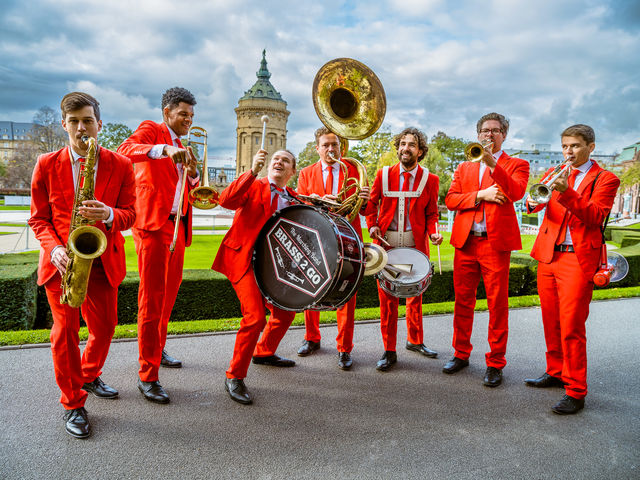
(204, 196)
(541, 192)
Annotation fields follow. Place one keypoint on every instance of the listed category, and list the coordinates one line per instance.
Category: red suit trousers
(100, 313)
(160, 279)
(389, 319)
(476, 259)
(253, 304)
(345, 317)
(565, 295)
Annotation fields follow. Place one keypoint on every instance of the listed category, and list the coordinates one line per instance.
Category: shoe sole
(170, 366)
(108, 397)
(423, 354)
(75, 435)
(491, 385)
(306, 354)
(559, 412)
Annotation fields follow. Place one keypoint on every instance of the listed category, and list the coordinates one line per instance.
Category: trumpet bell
(540, 193)
(349, 98)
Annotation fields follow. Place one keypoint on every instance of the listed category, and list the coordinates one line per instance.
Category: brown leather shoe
(545, 381)
(568, 405)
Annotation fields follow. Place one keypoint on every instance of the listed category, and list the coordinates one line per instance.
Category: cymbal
(375, 258)
(319, 201)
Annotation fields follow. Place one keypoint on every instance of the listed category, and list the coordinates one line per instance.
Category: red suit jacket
(250, 197)
(310, 181)
(52, 200)
(156, 179)
(587, 216)
(511, 175)
(423, 211)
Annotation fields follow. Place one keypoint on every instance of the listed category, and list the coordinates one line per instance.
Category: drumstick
(439, 260)
(264, 120)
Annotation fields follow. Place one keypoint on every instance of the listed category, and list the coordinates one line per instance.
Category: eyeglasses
(495, 131)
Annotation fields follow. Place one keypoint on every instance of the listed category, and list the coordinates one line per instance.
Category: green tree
(437, 164)
(308, 156)
(20, 166)
(451, 149)
(372, 150)
(113, 134)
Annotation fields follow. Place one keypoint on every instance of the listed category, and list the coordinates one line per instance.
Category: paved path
(317, 422)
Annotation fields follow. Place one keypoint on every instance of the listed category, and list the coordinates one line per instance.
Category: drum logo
(297, 256)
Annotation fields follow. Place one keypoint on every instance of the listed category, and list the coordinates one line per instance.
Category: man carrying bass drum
(255, 201)
(403, 212)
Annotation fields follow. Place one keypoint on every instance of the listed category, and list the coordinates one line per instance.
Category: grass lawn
(203, 250)
(15, 207)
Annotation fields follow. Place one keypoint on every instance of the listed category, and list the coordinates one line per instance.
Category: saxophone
(85, 242)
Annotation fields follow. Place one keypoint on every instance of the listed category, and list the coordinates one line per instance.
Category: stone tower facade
(261, 99)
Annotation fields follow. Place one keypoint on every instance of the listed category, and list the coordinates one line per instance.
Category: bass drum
(412, 282)
(308, 259)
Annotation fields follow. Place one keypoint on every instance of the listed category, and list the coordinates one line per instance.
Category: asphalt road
(315, 421)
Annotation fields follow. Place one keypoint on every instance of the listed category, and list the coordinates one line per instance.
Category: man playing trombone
(568, 249)
(485, 231)
(254, 201)
(159, 158)
(405, 221)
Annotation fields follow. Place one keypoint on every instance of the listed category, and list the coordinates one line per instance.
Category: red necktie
(328, 186)
(565, 221)
(405, 188)
(81, 166)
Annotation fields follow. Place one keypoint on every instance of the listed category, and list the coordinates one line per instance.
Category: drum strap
(401, 196)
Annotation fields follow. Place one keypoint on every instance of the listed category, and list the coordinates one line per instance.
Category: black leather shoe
(568, 405)
(76, 423)
(492, 377)
(344, 360)
(545, 381)
(455, 365)
(274, 361)
(237, 390)
(387, 360)
(308, 347)
(427, 352)
(169, 362)
(153, 391)
(100, 389)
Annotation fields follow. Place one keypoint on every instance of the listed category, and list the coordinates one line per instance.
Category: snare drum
(406, 285)
(308, 259)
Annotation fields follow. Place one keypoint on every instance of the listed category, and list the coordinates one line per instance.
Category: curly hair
(76, 100)
(418, 135)
(175, 95)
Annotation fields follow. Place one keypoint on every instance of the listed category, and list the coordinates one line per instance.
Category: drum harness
(402, 238)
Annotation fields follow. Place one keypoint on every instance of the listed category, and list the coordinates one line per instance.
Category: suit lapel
(169, 141)
(317, 183)
(65, 175)
(266, 194)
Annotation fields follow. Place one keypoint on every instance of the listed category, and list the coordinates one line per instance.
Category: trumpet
(541, 192)
(475, 151)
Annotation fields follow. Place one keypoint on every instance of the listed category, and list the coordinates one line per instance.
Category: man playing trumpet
(485, 231)
(159, 158)
(254, 201)
(56, 179)
(568, 249)
(397, 219)
(325, 179)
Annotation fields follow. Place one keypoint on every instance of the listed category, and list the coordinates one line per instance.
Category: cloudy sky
(545, 64)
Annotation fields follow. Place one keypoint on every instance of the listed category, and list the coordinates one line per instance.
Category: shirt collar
(173, 135)
(584, 168)
(326, 166)
(412, 172)
(74, 156)
(497, 155)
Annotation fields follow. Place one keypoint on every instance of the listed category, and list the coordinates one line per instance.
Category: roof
(628, 153)
(262, 88)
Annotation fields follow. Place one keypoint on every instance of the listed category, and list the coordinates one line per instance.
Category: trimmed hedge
(206, 294)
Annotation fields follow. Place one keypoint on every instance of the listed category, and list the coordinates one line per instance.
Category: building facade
(13, 135)
(541, 158)
(261, 99)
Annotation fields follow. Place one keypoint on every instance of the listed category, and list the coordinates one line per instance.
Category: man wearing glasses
(484, 232)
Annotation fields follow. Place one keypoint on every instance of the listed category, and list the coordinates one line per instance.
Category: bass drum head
(295, 257)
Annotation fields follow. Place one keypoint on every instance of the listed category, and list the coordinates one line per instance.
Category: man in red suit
(325, 178)
(254, 201)
(403, 212)
(568, 253)
(55, 179)
(159, 158)
(484, 233)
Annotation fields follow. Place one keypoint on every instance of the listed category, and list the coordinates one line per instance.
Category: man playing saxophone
(58, 180)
